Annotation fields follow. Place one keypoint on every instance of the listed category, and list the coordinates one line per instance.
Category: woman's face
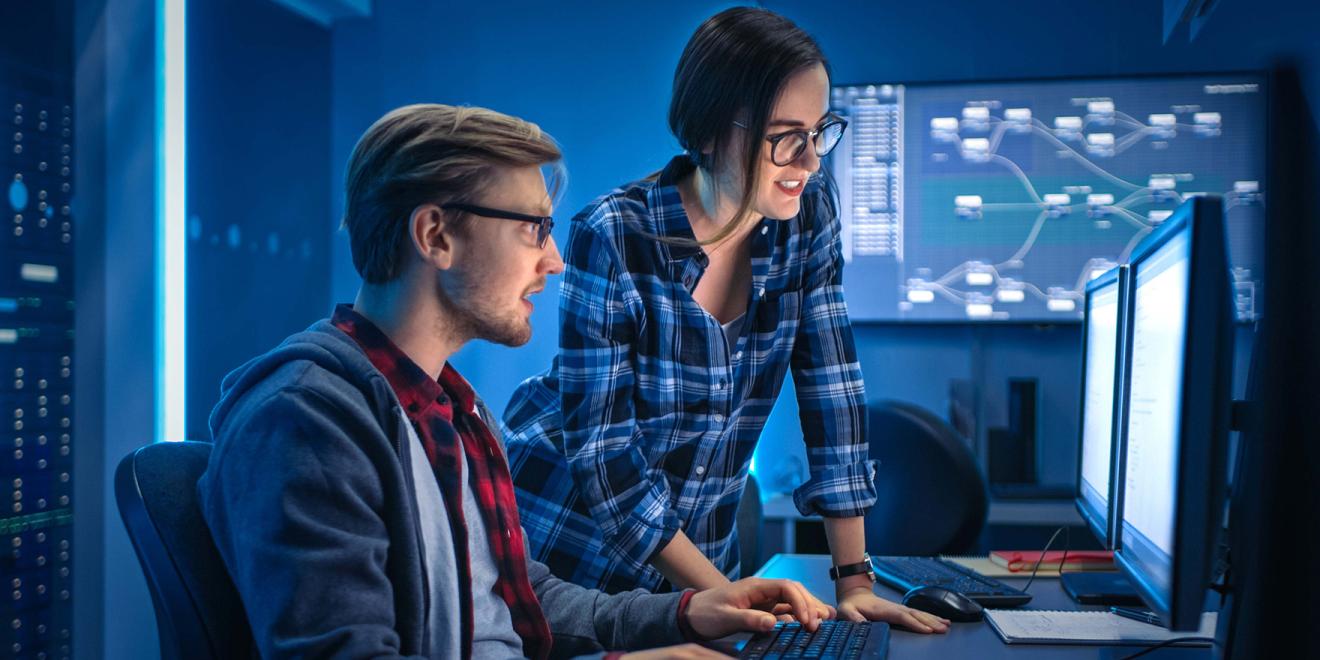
(802, 105)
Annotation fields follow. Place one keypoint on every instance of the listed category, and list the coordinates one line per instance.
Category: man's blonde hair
(429, 153)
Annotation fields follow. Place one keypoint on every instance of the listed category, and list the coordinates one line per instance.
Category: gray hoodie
(333, 528)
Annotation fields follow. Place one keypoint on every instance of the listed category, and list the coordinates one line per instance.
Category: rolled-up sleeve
(828, 379)
(599, 312)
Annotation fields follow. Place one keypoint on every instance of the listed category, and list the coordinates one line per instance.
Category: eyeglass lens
(793, 144)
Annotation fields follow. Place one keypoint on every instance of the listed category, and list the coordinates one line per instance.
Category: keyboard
(833, 640)
(906, 573)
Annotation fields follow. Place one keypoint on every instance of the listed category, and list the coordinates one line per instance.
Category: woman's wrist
(847, 585)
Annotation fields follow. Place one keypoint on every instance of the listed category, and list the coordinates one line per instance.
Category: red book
(1077, 560)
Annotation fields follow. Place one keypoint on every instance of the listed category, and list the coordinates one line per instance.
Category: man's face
(498, 265)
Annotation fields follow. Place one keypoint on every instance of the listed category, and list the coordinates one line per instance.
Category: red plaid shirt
(444, 414)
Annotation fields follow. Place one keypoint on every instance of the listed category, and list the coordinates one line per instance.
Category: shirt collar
(667, 208)
(415, 388)
(458, 389)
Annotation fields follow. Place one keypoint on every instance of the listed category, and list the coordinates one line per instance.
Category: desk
(968, 640)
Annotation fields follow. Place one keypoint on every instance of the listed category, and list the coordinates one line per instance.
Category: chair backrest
(198, 611)
(933, 497)
(749, 528)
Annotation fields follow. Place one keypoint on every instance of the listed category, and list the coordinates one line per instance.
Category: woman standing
(686, 299)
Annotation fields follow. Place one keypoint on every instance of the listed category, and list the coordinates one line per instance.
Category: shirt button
(719, 419)
(764, 229)
(760, 293)
(737, 356)
(701, 469)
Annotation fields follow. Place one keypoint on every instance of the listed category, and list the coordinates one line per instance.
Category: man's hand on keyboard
(861, 604)
(750, 605)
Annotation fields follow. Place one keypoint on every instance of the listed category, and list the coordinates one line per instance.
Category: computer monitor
(1176, 412)
(1102, 363)
(996, 201)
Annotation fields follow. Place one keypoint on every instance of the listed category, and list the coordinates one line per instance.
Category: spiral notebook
(1091, 628)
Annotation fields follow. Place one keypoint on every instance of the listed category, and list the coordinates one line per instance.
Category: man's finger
(754, 620)
(796, 596)
(809, 615)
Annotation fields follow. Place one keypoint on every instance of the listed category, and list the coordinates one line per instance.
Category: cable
(1041, 558)
(1168, 642)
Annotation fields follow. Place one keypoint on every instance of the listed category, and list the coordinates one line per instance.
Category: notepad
(1091, 628)
(982, 564)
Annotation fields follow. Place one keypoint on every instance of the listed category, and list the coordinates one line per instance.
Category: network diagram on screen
(1000, 201)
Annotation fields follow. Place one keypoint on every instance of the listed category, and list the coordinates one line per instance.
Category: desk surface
(967, 640)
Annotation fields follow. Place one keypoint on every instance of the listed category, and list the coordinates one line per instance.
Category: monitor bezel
(1202, 436)
(1103, 525)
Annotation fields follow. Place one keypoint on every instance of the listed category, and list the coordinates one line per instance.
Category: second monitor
(1098, 496)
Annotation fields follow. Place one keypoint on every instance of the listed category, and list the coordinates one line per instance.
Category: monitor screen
(1099, 381)
(999, 201)
(1154, 400)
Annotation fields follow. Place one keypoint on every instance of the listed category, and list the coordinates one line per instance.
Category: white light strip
(171, 223)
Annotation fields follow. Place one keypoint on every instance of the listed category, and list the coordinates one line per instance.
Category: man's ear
(431, 230)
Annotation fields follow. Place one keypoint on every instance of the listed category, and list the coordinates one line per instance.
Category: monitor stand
(1100, 588)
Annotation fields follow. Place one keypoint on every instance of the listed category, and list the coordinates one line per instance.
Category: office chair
(198, 611)
(933, 498)
(749, 528)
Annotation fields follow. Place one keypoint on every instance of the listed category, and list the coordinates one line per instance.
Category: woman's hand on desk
(750, 605)
(861, 604)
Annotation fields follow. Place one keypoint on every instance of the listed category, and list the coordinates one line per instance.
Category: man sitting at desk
(358, 492)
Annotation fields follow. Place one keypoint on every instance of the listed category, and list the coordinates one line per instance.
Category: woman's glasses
(788, 146)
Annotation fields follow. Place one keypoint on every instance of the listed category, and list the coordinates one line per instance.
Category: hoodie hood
(322, 347)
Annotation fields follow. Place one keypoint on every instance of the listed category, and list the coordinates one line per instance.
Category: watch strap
(848, 570)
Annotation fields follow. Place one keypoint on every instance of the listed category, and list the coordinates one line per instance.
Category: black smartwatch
(847, 570)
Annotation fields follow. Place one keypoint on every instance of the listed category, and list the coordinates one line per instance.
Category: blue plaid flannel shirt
(646, 421)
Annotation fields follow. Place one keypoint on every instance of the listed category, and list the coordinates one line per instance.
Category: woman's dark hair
(733, 69)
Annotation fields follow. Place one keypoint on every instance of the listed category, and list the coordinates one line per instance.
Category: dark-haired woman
(686, 299)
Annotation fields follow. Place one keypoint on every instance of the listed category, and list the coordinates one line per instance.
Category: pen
(1137, 615)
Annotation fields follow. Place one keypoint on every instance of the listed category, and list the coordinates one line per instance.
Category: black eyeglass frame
(544, 223)
(811, 136)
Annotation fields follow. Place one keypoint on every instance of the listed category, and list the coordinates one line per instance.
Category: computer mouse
(950, 604)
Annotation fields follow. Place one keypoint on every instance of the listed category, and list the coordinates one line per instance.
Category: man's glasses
(788, 146)
(544, 223)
